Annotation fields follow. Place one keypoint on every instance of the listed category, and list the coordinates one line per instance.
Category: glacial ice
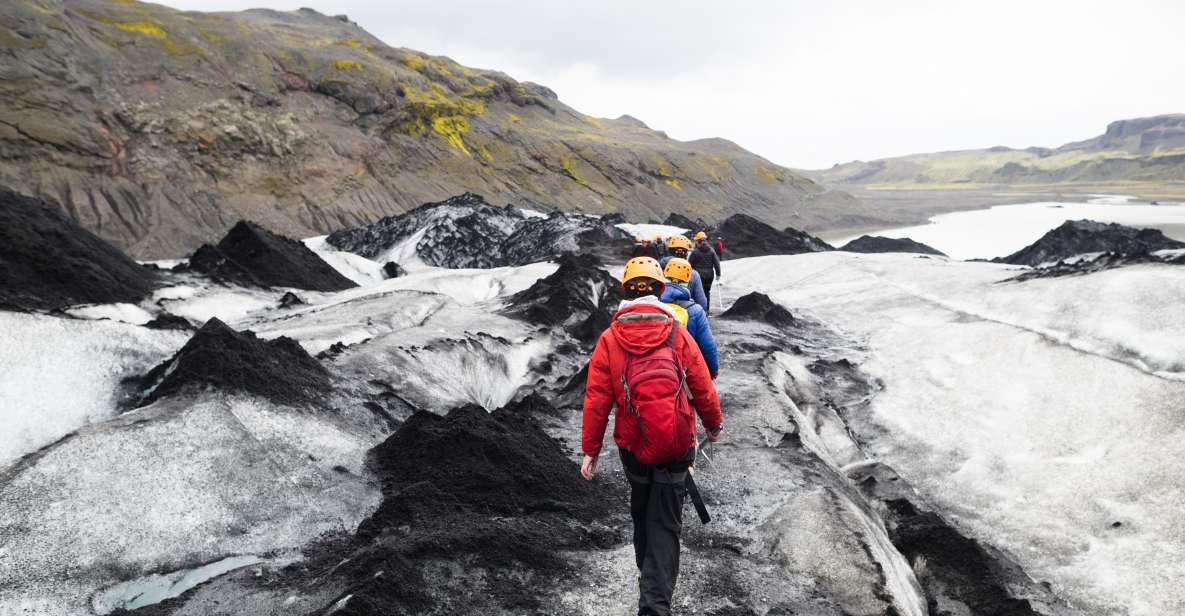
(1005, 229)
(57, 374)
(180, 482)
(361, 270)
(1046, 418)
(651, 231)
(123, 313)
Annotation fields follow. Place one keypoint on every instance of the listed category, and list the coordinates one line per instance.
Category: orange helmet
(679, 241)
(642, 267)
(701, 236)
(678, 269)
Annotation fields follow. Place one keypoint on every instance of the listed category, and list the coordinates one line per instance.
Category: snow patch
(230, 305)
(124, 313)
(649, 231)
(405, 253)
(359, 269)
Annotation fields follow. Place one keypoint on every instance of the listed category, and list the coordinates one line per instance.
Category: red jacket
(603, 390)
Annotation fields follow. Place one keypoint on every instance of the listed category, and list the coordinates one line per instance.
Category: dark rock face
(250, 255)
(477, 462)
(1105, 261)
(461, 231)
(959, 569)
(48, 262)
(165, 320)
(1075, 237)
(872, 243)
(392, 269)
(745, 236)
(676, 219)
(221, 358)
(539, 239)
(291, 299)
(467, 232)
(491, 490)
(759, 307)
(579, 296)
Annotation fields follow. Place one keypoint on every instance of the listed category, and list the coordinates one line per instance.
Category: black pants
(707, 279)
(656, 505)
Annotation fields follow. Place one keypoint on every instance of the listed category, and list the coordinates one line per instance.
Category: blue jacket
(695, 286)
(697, 324)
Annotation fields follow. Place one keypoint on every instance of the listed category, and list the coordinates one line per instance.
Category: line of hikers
(655, 365)
(704, 258)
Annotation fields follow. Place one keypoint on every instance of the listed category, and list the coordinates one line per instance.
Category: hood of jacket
(676, 293)
(642, 324)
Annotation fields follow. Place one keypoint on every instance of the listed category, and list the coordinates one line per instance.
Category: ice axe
(696, 499)
(693, 491)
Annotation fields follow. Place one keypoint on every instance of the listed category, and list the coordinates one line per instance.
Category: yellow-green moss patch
(452, 128)
(570, 171)
(347, 65)
(147, 28)
(770, 175)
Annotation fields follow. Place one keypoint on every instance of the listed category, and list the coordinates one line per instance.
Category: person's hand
(588, 468)
(714, 437)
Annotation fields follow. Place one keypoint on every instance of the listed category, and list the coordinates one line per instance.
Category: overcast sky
(808, 84)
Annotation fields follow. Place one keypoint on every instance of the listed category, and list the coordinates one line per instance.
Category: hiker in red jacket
(647, 366)
(720, 247)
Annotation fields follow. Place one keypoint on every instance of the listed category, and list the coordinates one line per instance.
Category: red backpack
(656, 395)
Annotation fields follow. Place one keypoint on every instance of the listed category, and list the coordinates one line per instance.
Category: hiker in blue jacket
(678, 272)
(679, 247)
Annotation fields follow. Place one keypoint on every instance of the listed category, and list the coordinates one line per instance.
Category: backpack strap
(679, 362)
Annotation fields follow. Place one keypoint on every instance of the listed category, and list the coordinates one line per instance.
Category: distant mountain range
(159, 129)
(1140, 151)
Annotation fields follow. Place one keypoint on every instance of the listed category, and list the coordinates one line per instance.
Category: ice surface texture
(57, 375)
(1046, 416)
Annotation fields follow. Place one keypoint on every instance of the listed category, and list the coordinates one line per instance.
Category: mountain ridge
(159, 129)
(1138, 150)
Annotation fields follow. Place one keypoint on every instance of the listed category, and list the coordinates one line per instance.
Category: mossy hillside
(310, 123)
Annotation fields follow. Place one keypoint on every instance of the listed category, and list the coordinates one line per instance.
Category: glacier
(1039, 419)
(1046, 417)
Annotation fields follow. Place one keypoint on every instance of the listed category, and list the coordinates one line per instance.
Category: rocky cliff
(158, 129)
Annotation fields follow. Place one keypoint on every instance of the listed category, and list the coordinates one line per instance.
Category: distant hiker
(678, 272)
(655, 249)
(679, 247)
(705, 261)
(640, 247)
(649, 368)
(720, 247)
